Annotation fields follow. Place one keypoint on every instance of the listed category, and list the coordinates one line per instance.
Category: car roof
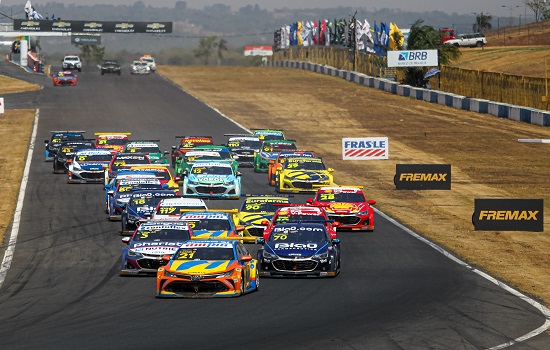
(208, 244)
(90, 152)
(212, 163)
(181, 201)
(300, 210)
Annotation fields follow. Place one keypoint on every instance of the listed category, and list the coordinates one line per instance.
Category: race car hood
(290, 250)
(64, 78)
(269, 155)
(345, 208)
(307, 175)
(201, 267)
(220, 234)
(141, 211)
(155, 248)
(213, 179)
(254, 218)
(154, 156)
(92, 166)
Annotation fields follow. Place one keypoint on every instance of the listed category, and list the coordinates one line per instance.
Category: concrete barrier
(498, 109)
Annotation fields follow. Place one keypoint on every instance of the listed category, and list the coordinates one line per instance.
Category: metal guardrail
(6, 27)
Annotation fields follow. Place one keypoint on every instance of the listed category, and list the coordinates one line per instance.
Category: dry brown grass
(487, 161)
(10, 85)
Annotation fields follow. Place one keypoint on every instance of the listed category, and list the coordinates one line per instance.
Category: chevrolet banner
(95, 27)
(508, 215)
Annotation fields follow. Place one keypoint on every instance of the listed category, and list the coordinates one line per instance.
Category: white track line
(545, 311)
(8, 256)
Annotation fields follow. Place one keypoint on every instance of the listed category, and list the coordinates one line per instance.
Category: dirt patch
(10, 85)
(487, 161)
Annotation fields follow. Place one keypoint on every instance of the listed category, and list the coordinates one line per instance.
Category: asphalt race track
(63, 290)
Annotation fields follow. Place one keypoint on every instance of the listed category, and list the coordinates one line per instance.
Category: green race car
(151, 148)
(181, 164)
(269, 151)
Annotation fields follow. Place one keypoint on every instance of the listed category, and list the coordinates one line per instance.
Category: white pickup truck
(468, 40)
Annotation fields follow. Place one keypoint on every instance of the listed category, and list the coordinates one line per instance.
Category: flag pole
(354, 40)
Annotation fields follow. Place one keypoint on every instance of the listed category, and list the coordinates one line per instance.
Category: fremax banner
(492, 214)
(422, 177)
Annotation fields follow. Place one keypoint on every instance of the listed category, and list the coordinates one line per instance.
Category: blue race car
(299, 249)
(141, 206)
(212, 179)
(149, 243)
(121, 195)
(124, 175)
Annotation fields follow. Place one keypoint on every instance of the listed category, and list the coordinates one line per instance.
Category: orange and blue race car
(112, 140)
(208, 268)
(64, 78)
(347, 205)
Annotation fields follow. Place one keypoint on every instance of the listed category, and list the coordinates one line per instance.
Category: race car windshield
(300, 235)
(210, 225)
(272, 137)
(341, 197)
(94, 158)
(177, 209)
(299, 218)
(244, 144)
(151, 149)
(136, 187)
(58, 138)
(194, 158)
(115, 142)
(212, 170)
(124, 163)
(305, 165)
(264, 207)
(162, 234)
(205, 254)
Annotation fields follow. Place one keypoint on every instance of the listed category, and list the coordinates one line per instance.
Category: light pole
(511, 8)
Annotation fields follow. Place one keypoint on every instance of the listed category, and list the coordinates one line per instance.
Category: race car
(66, 151)
(186, 143)
(123, 192)
(172, 208)
(111, 67)
(299, 250)
(300, 213)
(112, 141)
(150, 148)
(122, 161)
(268, 134)
(302, 174)
(223, 152)
(347, 205)
(184, 163)
(149, 243)
(215, 224)
(256, 209)
(269, 151)
(243, 147)
(88, 166)
(52, 145)
(162, 173)
(141, 207)
(212, 180)
(275, 164)
(64, 78)
(208, 268)
(125, 174)
(140, 67)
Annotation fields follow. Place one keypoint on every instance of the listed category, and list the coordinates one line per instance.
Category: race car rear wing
(56, 131)
(183, 137)
(112, 133)
(236, 135)
(266, 195)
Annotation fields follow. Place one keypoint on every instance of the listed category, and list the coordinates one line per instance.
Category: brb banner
(508, 215)
(422, 177)
(367, 148)
(413, 58)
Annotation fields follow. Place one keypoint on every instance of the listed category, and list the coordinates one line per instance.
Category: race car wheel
(242, 285)
(336, 266)
(257, 281)
(124, 223)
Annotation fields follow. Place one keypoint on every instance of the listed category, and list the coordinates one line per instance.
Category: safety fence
(506, 88)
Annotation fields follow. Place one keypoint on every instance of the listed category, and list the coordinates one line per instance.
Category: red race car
(64, 78)
(112, 140)
(347, 205)
(300, 213)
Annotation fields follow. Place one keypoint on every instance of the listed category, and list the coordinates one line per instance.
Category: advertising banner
(508, 215)
(413, 58)
(91, 26)
(365, 148)
(422, 176)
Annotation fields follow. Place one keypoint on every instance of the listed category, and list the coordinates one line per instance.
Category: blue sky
(493, 7)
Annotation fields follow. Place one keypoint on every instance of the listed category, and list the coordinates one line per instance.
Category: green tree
(97, 54)
(539, 8)
(204, 51)
(85, 53)
(222, 47)
(423, 37)
(483, 22)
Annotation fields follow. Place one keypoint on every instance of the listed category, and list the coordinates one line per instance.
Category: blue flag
(294, 34)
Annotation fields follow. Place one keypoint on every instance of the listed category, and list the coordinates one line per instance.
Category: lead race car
(347, 205)
(299, 250)
(208, 268)
(64, 78)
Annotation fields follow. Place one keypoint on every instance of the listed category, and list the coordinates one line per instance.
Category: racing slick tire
(243, 288)
(124, 224)
(257, 281)
(336, 267)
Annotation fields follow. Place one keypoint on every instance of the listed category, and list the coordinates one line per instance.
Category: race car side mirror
(372, 202)
(173, 147)
(166, 258)
(330, 170)
(126, 240)
(239, 174)
(239, 228)
(309, 200)
(260, 240)
(246, 258)
(336, 224)
(184, 173)
(111, 193)
(177, 178)
(46, 141)
(335, 241)
(265, 223)
(165, 152)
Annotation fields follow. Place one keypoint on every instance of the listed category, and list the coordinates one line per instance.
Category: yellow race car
(256, 209)
(302, 174)
(162, 172)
